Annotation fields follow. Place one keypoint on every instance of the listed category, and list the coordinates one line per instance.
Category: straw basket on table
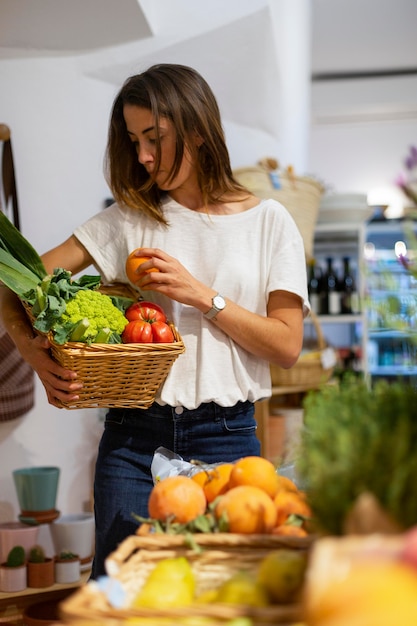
(300, 195)
(309, 371)
(117, 375)
(221, 555)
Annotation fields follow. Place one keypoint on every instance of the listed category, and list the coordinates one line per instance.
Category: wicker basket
(308, 372)
(117, 375)
(300, 195)
(221, 556)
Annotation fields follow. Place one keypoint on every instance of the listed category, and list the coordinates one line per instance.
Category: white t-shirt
(243, 256)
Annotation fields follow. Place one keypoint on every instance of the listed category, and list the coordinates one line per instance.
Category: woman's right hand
(60, 383)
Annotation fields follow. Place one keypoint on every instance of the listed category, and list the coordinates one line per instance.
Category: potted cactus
(67, 567)
(13, 574)
(40, 568)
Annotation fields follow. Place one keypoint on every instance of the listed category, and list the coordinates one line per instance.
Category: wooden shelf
(12, 605)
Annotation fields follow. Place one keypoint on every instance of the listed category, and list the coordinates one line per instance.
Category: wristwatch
(218, 304)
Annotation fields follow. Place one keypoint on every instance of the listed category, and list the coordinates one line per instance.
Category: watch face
(218, 302)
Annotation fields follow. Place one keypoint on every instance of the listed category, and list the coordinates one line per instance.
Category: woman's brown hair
(180, 94)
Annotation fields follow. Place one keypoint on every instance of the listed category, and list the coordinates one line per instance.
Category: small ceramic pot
(16, 534)
(74, 533)
(41, 574)
(36, 489)
(13, 579)
(67, 570)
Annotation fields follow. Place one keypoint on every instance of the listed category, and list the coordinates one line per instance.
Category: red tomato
(137, 331)
(140, 331)
(152, 305)
(162, 333)
(147, 311)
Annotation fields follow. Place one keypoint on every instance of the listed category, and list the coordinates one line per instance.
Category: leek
(13, 242)
(15, 275)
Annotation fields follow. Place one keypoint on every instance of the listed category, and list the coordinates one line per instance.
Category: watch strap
(211, 314)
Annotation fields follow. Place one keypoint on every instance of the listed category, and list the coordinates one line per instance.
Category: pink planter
(16, 534)
(13, 579)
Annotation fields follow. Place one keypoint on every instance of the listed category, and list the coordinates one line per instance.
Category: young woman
(231, 276)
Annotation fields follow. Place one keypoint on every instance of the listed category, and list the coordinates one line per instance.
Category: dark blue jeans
(123, 480)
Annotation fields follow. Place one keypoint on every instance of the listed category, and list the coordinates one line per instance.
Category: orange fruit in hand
(290, 503)
(178, 498)
(132, 264)
(257, 472)
(214, 481)
(247, 510)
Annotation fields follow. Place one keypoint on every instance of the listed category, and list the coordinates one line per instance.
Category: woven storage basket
(222, 555)
(300, 195)
(308, 371)
(117, 375)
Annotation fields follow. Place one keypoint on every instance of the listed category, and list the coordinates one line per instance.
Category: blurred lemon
(171, 583)
(242, 588)
(207, 597)
(281, 572)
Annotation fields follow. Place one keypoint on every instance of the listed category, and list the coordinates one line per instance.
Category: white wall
(58, 120)
(361, 132)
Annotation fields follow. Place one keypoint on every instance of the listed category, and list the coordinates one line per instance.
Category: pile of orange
(249, 495)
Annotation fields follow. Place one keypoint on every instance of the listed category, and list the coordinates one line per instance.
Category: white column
(291, 20)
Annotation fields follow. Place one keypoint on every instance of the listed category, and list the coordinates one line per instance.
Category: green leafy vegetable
(53, 297)
(88, 314)
(13, 242)
(357, 440)
(15, 275)
(49, 299)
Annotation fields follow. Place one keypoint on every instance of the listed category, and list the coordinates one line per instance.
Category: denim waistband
(206, 409)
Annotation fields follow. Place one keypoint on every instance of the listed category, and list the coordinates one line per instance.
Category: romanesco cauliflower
(98, 309)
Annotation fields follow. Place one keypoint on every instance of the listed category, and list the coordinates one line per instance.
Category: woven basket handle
(320, 337)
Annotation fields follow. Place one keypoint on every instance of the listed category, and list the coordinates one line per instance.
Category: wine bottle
(349, 300)
(347, 287)
(332, 289)
(313, 287)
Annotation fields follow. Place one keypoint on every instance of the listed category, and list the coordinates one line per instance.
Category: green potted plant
(67, 567)
(41, 571)
(13, 574)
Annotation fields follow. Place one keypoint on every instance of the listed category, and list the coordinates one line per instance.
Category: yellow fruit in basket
(242, 588)
(255, 471)
(170, 584)
(207, 597)
(282, 573)
(378, 593)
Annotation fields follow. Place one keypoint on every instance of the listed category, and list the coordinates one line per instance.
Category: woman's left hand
(276, 337)
(171, 279)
